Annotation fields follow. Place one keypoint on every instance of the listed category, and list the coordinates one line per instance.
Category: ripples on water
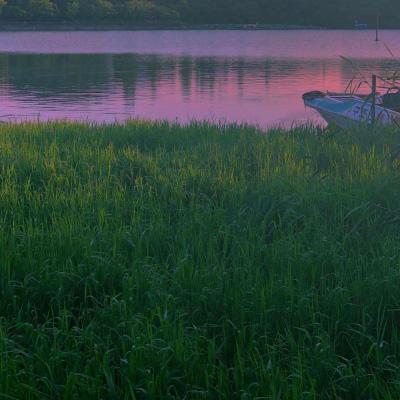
(254, 77)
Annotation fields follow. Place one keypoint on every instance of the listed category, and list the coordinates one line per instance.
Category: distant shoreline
(101, 26)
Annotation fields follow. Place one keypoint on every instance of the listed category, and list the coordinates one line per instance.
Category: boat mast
(373, 108)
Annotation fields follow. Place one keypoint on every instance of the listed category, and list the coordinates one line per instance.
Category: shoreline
(101, 26)
(21, 26)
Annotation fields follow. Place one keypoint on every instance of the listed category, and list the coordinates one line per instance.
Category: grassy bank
(159, 262)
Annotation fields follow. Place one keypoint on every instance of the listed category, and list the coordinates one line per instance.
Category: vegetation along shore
(16, 26)
(151, 261)
(327, 13)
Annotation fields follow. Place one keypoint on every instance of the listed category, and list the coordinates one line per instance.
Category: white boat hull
(347, 111)
(337, 119)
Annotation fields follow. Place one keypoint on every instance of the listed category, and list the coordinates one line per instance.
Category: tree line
(325, 13)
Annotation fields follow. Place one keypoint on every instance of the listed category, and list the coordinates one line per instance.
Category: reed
(157, 261)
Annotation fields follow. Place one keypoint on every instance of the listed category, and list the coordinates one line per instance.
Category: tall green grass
(153, 261)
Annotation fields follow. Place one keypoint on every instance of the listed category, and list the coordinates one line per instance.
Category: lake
(254, 77)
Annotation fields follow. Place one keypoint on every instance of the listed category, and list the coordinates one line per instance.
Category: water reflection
(106, 87)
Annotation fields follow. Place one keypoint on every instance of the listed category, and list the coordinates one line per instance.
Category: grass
(152, 261)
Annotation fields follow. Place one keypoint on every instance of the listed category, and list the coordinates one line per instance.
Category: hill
(327, 13)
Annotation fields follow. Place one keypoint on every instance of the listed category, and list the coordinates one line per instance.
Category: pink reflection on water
(265, 92)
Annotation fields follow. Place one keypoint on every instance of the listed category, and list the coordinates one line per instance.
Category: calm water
(244, 76)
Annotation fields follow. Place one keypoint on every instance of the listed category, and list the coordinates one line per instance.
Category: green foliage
(153, 261)
(15, 9)
(338, 13)
(96, 9)
(141, 10)
(68, 8)
(41, 9)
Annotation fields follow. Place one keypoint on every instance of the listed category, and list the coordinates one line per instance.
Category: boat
(360, 25)
(348, 110)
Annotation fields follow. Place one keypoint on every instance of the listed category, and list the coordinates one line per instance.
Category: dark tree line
(328, 13)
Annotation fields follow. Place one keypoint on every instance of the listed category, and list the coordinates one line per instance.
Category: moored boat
(347, 110)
